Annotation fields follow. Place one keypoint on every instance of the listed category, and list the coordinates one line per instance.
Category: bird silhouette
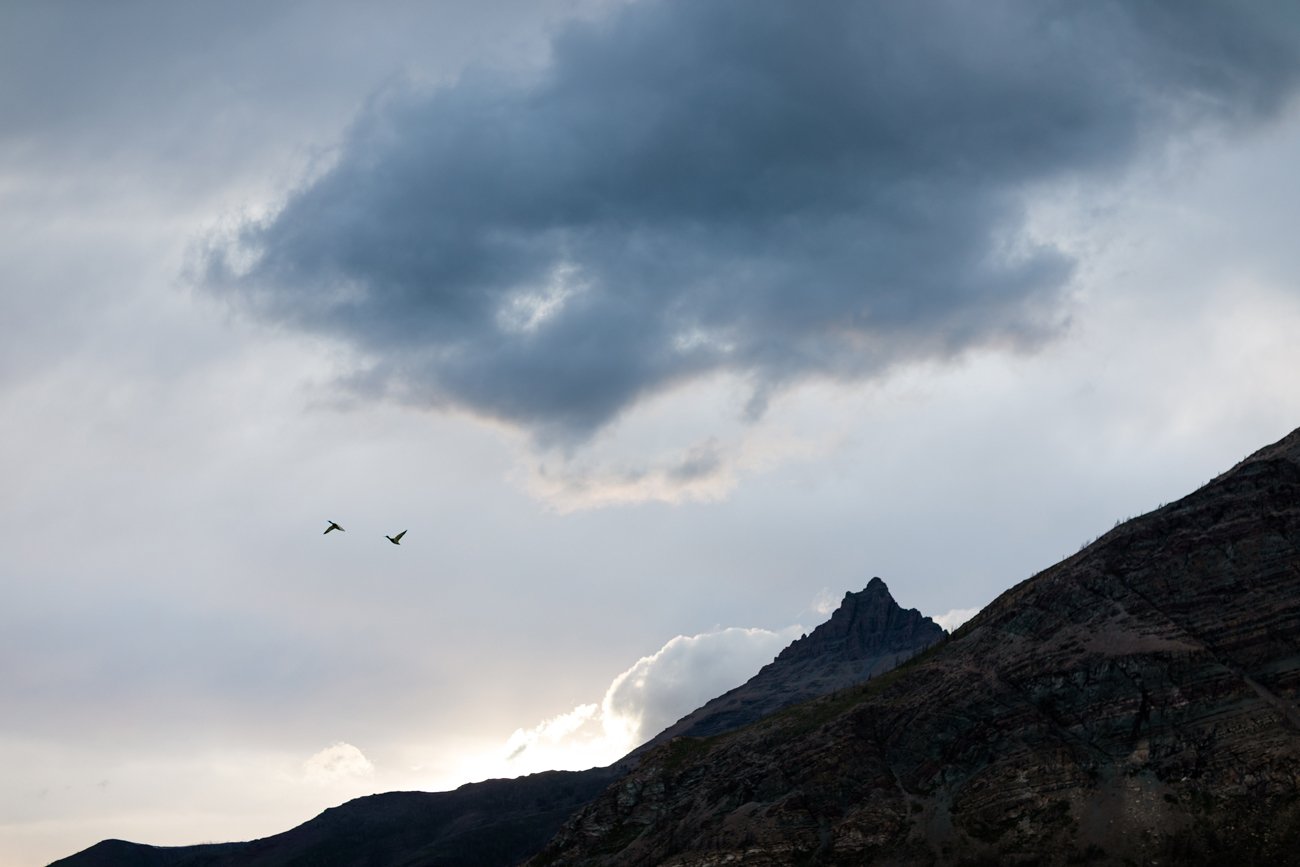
(334, 526)
(396, 540)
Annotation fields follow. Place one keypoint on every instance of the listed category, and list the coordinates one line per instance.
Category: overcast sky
(658, 326)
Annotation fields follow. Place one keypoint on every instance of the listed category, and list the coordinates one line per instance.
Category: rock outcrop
(1136, 703)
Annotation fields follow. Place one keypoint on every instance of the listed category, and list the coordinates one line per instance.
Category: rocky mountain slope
(502, 822)
(1135, 703)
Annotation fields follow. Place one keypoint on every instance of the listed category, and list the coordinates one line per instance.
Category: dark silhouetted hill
(493, 822)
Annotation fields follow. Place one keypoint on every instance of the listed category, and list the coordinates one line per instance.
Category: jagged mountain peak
(867, 623)
(867, 635)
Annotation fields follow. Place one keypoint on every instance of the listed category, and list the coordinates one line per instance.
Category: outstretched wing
(398, 538)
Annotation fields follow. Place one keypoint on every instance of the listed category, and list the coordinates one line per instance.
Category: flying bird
(396, 540)
(334, 526)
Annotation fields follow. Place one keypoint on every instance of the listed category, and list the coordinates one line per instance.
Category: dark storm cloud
(775, 190)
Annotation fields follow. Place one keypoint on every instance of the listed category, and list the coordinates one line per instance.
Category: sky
(658, 326)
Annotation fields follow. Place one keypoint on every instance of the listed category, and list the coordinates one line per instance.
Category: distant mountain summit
(865, 635)
(502, 822)
(1137, 703)
(868, 635)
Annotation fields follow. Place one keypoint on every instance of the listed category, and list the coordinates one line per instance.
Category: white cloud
(686, 672)
(825, 602)
(653, 693)
(340, 762)
(701, 473)
(581, 738)
(956, 617)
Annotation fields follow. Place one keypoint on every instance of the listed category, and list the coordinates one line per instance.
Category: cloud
(582, 737)
(688, 671)
(956, 617)
(653, 693)
(825, 602)
(704, 472)
(741, 187)
(340, 762)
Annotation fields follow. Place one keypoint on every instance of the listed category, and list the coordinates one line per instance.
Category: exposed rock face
(868, 635)
(501, 822)
(1135, 703)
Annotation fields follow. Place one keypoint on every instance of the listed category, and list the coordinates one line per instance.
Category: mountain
(503, 822)
(868, 635)
(1135, 703)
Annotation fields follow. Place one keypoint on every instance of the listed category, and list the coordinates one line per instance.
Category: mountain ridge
(1136, 702)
